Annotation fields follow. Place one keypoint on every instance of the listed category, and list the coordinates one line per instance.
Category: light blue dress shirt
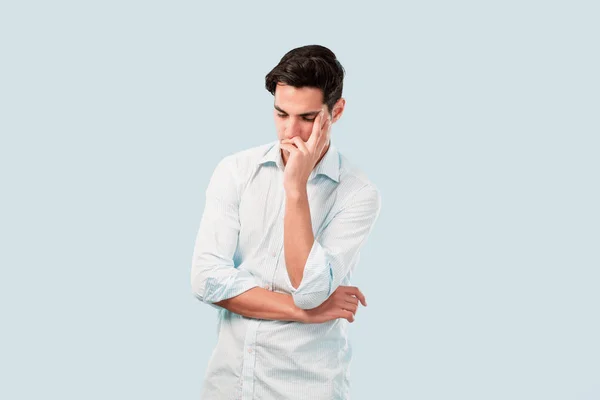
(239, 246)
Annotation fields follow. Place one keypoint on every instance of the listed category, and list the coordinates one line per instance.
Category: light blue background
(478, 121)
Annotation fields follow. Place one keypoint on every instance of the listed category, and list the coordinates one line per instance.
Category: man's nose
(292, 129)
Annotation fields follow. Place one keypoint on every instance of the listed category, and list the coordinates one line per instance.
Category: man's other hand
(343, 303)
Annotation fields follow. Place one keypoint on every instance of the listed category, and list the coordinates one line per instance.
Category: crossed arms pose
(339, 301)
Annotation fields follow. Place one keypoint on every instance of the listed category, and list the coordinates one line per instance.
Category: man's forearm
(264, 304)
(297, 235)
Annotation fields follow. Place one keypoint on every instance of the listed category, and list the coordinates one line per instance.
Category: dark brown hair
(313, 66)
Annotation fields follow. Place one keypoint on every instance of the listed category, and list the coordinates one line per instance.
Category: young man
(280, 235)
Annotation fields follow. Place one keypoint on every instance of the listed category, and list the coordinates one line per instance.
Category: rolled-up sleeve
(214, 276)
(335, 251)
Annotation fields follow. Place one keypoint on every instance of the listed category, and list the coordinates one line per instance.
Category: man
(279, 238)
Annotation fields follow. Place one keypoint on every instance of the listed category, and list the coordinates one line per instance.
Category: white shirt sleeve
(336, 250)
(213, 274)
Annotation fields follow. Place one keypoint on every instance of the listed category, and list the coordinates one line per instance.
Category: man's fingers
(349, 316)
(323, 136)
(300, 144)
(353, 290)
(316, 130)
(353, 308)
(351, 300)
(289, 147)
(362, 298)
(349, 303)
(326, 125)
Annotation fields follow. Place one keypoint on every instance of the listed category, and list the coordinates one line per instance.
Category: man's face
(296, 109)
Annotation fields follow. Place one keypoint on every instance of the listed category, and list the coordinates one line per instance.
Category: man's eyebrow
(306, 114)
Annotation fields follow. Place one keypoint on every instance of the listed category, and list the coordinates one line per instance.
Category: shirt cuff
(315, 286)
(218, 289)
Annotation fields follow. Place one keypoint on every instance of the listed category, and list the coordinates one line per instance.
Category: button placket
(274, 249)
(277, 242)
(249, 360)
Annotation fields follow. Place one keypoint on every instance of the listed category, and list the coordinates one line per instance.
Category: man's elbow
(198, 285)
(310, 300)
(204, 278)
(196, 292)
(314, 289)
(199, 292)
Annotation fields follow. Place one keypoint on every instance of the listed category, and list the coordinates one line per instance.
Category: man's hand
(343, 303)
(303, 156)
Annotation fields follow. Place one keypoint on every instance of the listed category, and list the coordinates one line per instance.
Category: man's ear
(338, 109)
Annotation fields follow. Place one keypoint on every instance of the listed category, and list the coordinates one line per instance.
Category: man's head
(307, 80)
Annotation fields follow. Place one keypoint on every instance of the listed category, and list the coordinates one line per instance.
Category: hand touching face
(303, 156)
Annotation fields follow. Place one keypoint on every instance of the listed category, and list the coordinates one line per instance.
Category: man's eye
(304, 118)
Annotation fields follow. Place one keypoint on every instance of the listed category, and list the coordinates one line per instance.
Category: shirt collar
(328, 166)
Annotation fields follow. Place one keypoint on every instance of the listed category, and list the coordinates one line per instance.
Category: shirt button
(273, 254)
(249, 350)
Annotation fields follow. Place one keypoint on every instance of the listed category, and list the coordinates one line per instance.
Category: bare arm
(317, 266)
(264, 304)
(260, 303)
(298, 235)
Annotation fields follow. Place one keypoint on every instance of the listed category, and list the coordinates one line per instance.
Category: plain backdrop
(478, 121)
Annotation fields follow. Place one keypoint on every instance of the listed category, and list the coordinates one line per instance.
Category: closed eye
(304, 118)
